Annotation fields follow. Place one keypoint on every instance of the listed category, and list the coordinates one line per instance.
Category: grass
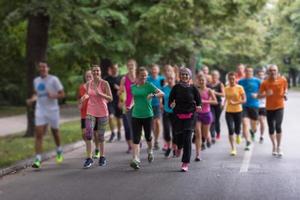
(16, 148)
(295, 89)
(6, 111)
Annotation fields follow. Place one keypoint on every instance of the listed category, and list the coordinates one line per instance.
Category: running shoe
(88, 163)
(97, 154)
(156, 145)
(59, 157)
(135, 164)
(112, 136)
(218, 136)
(198, 159)
(102, 161)
(150, 157)
(248, 144)
(233, 152)
(252, 135)
(274, 152)
(238, 139)
(119, 136)
(279, 152)
(261, 140)
(208, 144)
(36, 164)
(167, 153)
(185, 167)
(213, 140)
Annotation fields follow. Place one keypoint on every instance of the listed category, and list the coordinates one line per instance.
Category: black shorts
(83, 124)
(113, 109)
(251, 113)
(262, 112)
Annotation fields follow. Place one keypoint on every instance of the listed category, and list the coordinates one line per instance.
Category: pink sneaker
(185, 167)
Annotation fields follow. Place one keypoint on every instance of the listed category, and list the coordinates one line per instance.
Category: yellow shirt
(234, 94)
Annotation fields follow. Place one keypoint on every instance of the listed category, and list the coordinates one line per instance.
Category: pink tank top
(129, 97)
(97, 105)
(205, 96)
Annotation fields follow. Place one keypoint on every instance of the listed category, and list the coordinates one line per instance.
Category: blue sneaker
(102, 161)
(88, 163)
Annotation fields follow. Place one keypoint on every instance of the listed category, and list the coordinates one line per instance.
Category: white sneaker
(274, 152)
(279, 152)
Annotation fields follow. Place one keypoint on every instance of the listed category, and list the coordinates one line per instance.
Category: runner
(47, 90)
(204, 117)
(274, 88)
(234, 98)
(157, 81)
(113, 107)
(205, 71)
(125, 87)
(240, 72)
(142, 114)
(262, 108)
(83, 109)
(99, 94)
(168, 116)
(218, 87)
(250, 108)
(184, 99)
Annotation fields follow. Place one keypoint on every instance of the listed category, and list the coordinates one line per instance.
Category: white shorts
(47, 117)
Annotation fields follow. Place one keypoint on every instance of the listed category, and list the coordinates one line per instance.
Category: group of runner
(189, 109)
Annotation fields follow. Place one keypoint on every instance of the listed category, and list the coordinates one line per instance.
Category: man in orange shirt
(274, 89)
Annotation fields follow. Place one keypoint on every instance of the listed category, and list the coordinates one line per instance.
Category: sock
(38, 157)
(59, 149)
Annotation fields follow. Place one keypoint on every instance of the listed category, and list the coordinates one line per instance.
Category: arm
(32, 99)
(212, 100)
(222, 93)
(107, 95)
(59, 95)
(241, 101)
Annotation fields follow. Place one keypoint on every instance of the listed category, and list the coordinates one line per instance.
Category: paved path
(256, 175)
(16, 124)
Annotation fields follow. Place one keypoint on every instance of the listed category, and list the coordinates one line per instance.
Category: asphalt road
(252, 175)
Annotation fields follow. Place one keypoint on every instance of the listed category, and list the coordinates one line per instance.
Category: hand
(269, 92)
(52, 95)
(198, 108)
(173, 104)
(29, 102)
(231, 102)
(116, 87)
(254, 95)
(84, 98)
(150, 96)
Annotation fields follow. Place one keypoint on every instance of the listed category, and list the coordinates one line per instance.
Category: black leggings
(168, 124)
(127, 123)
(184, 140)
(233, 121)
(137, 125)
(274, 119)
(216, 125)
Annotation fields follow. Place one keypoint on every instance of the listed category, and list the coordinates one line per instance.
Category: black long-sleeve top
(186, 98)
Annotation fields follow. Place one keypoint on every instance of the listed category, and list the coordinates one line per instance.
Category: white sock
(38, 157)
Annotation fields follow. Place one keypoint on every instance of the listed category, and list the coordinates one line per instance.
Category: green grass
(6, 111)
(295, 89)
(16, 148)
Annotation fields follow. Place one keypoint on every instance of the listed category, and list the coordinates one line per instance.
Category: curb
(45, 156)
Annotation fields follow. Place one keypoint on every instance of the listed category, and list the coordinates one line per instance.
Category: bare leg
(39, 133)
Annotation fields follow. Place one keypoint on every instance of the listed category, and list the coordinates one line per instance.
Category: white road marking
(247, 159)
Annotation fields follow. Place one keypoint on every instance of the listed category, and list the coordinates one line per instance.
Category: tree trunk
(36, 47)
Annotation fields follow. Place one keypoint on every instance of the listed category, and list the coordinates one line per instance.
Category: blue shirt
(167, 89)
(158, 82)
(250, 85)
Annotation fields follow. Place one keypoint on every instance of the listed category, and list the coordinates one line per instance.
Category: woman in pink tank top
(125, 86)
(98, 92)
(204, 117)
